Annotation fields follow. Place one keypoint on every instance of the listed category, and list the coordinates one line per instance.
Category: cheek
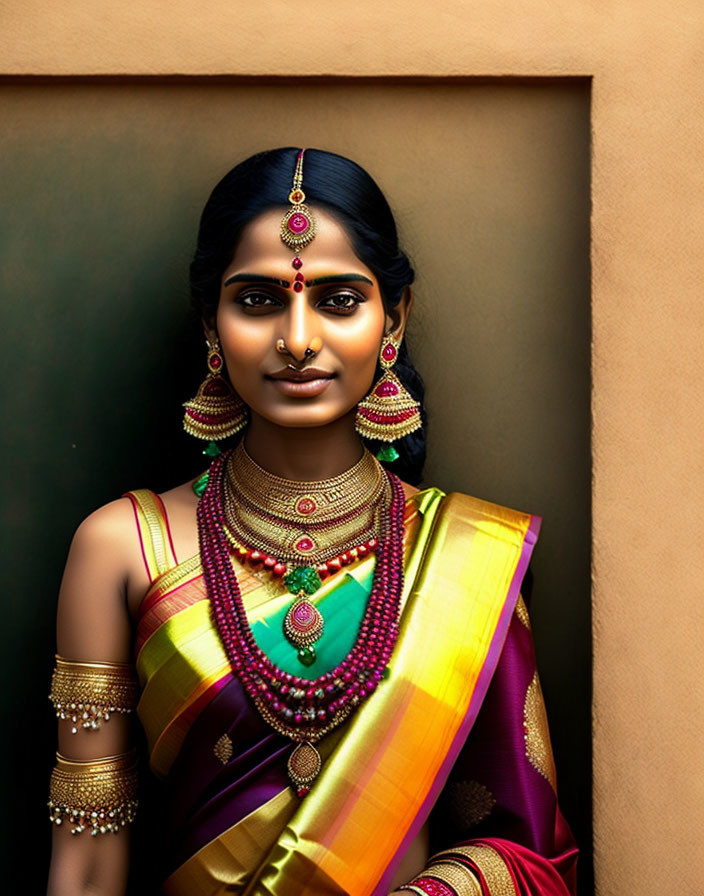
(359, 345)
(243, 341)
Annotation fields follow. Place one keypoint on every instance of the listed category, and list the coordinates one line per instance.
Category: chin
(304, 417)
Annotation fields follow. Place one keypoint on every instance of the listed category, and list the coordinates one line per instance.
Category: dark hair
(344, 189)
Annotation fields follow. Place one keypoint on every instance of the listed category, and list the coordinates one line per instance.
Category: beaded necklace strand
(301, 709)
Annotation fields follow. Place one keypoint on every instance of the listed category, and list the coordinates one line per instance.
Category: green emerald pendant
(306, 655)
(387, 453)
(303, 578)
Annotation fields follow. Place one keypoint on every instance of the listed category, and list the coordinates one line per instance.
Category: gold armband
(87, 693)
(99, 794)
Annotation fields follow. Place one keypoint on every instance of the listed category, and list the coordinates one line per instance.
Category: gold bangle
(87, 693)
(492, 866)
(100, 794)
(455, 875)
(413, 889)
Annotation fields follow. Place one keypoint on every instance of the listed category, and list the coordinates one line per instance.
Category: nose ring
(316, 344)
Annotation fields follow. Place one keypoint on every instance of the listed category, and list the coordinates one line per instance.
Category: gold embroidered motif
(537, 733)
(223, 749)
(492, 866)
(469, 802)
(522, 612)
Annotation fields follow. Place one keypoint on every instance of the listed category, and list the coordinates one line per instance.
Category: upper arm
(103, 564)
(93, 625)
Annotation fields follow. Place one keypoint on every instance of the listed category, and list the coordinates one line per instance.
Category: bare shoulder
(107, 527)
(104, 565)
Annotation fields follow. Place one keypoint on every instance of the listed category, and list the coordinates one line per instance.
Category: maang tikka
(389, 412)
(217, 411)
(298, 224)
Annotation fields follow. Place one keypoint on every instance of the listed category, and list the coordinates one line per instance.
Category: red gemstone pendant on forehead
(298, 224)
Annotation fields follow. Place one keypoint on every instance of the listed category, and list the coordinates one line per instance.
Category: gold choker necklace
(303, 523)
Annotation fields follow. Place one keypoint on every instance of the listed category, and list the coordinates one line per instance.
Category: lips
(301, 376)
(307, 383)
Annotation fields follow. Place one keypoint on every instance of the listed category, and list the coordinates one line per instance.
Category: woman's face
(338, 314)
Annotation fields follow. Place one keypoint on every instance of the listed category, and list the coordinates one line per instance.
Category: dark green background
(101, 186)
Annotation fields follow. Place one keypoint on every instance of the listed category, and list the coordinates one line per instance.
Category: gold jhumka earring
(217, 411)
(389, 412)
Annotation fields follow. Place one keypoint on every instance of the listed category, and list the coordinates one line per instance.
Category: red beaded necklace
(302, 709)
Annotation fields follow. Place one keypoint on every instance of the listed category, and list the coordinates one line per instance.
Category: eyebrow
(337, 278)
(255, 278)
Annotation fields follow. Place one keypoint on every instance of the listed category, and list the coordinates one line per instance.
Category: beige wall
(646, 60)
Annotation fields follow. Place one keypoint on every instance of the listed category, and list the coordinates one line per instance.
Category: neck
(312, 453)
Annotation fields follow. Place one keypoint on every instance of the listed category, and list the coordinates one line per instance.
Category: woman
(334, 670)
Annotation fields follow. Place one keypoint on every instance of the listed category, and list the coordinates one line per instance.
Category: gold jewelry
(217, 411)
(491, 863)
(412, 888)
(100, 794)
(88, 693)
(298, 522)
(298, 224)
(389, 411)
(316, 344)
(455, 875)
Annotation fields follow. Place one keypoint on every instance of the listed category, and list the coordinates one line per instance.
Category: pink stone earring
(217, 411)
(389, 412)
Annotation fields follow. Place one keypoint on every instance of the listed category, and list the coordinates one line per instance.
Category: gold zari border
(492, 866)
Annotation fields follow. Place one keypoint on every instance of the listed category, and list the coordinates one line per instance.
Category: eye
(255, 301)
(342, 302)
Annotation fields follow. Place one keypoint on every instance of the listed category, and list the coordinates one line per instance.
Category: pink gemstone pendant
(304, 623)
(298, 223)
(297, 263)
(304, 544)
(389, 353)
(386, 388)
(306, 505)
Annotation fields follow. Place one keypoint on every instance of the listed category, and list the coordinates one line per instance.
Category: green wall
(101, 186)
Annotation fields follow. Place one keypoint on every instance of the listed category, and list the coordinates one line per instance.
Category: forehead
(261, 249)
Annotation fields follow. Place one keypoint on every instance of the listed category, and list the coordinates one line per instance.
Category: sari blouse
(456, 735)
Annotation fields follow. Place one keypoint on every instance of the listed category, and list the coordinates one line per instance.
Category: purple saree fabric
(208, 796)
(495, 792)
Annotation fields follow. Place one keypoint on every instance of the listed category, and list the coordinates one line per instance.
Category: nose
(301, 327)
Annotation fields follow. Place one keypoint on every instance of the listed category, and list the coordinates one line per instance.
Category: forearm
(88, 866)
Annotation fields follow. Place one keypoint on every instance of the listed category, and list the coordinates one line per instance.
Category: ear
(210, 332)
(397, 317)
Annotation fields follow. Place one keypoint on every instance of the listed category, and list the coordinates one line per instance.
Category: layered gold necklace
(302, 532)
(303, 523)
(303, 709)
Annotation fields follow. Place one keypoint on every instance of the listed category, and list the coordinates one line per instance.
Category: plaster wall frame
(645, 62)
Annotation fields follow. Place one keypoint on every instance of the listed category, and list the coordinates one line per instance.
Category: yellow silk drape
(388, 763)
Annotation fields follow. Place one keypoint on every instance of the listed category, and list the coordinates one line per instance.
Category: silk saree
(456, 734)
